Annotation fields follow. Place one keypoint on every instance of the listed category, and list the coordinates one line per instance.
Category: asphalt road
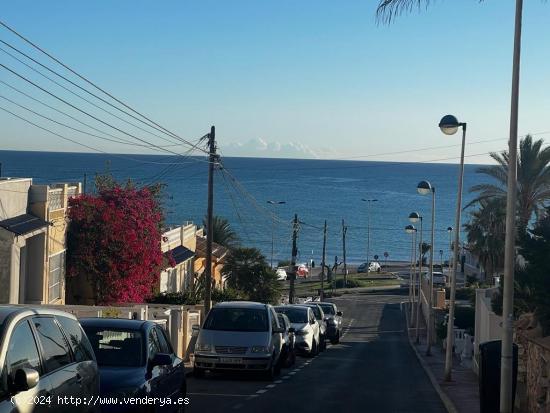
(373, 369)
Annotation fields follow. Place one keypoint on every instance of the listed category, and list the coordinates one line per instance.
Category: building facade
(33, 224)
(178, 246)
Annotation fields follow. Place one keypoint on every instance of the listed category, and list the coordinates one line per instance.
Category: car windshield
(295, 315)
(316, 311)
(237, 319)
(116, 347)
(328, 309)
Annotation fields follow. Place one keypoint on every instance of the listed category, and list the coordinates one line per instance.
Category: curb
(449, 405)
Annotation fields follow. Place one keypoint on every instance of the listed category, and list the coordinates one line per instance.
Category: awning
(23, 224)
(180, 254)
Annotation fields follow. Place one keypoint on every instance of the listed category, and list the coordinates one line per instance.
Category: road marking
(252, 396)
(292, 373)
(270, 386)
(261, 391)
(285, 377)
(219, 394)
(238, 406)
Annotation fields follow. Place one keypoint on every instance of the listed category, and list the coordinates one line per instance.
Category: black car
(136, 359)
(46, 359)
(288, 352)
(333, 318)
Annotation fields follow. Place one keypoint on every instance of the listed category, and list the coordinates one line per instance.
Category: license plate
(230, 360)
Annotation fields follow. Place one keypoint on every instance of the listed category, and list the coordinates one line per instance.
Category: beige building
(180, 244)
(32, 240)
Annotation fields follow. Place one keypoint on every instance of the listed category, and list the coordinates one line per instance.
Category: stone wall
(533, 391)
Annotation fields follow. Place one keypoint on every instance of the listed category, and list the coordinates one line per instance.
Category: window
(274, 322)
(237, 319)
(56, 276)
(153, 344)
(294, 314)
(163, 341)
(78, 341)
(56, 350)
(112, 347)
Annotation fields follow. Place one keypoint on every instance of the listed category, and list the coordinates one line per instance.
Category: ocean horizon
(315, 189)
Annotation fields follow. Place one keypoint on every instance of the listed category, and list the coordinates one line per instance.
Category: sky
(288, 78)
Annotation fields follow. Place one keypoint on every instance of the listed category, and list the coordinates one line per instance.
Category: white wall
(488, 324)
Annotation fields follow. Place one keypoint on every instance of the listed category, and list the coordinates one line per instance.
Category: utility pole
(344, 230)
(322, 295)
(209, 215)
(293, 260)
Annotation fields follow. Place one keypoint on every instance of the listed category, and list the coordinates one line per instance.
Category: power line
(89, 81)
(88, 114)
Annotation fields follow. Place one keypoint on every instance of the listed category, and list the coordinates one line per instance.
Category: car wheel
(336, 339)
(198, 372)
(272, 371)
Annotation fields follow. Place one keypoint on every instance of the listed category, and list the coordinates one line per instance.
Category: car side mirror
(160, 359)
(25, 379)
(291, 330)
(339, 314)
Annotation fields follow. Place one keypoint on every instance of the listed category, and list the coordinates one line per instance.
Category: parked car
(333, 318)
(306, 328)
(371, 267)
(288, 351)
(320, 318)
(281, 274)
(439, 278)
(302, 271)
(239, 335)
(135, 359)
(44, 354)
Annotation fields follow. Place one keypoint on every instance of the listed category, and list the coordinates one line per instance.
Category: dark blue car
(136, 360)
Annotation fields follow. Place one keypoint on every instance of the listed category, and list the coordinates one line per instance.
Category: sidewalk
(461, 395)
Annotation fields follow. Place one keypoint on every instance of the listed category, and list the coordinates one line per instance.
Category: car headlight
(260, 349)
(203, 347)
(331, 321)
(301, 332)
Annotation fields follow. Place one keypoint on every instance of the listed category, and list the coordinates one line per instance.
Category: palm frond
(388, 10)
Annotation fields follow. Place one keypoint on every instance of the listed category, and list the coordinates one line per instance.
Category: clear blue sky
(318, 73)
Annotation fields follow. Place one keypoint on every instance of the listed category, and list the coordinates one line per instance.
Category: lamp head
(414, 217)
(409, 229)
(424, 188)
(449, 124)
(450, 229)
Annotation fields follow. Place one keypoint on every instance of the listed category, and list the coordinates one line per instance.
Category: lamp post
(273, 227)
(410, 229)
(450, 231)
(424, 188)
(368, 201)
(449, 126)
(415, 217)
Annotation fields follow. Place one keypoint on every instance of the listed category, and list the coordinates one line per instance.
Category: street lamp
(424, 188)
(449, 126)
(410, 229)
(368, 201)
(450, 231)
(415, 217)
(273, 227)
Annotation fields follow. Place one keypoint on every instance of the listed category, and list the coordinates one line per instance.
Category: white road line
(285, 377)
(261, 391)
(270, 386)
(252, 396)
(278, 381)
(238, 406)
(292, 373)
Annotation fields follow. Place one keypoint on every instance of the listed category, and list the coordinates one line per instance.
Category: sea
(314, 190)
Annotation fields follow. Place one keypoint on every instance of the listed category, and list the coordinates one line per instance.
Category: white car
(239, 336)
(306, 327)
(374, 267)
(281, 274)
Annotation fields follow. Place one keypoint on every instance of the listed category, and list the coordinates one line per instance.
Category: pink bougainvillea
(114, 241)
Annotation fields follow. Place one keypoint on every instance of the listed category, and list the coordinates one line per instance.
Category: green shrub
(228, 294)
(180, 298)
(339, 283)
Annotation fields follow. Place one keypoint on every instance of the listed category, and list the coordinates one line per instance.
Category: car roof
(300, 307)
(124, 323)
(13, 310)
(241, 304)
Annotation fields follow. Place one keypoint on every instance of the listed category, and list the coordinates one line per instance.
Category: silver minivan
(239, 335)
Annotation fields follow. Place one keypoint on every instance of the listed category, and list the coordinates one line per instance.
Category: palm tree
(485, 234)
(533, 178)
(222, 233)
